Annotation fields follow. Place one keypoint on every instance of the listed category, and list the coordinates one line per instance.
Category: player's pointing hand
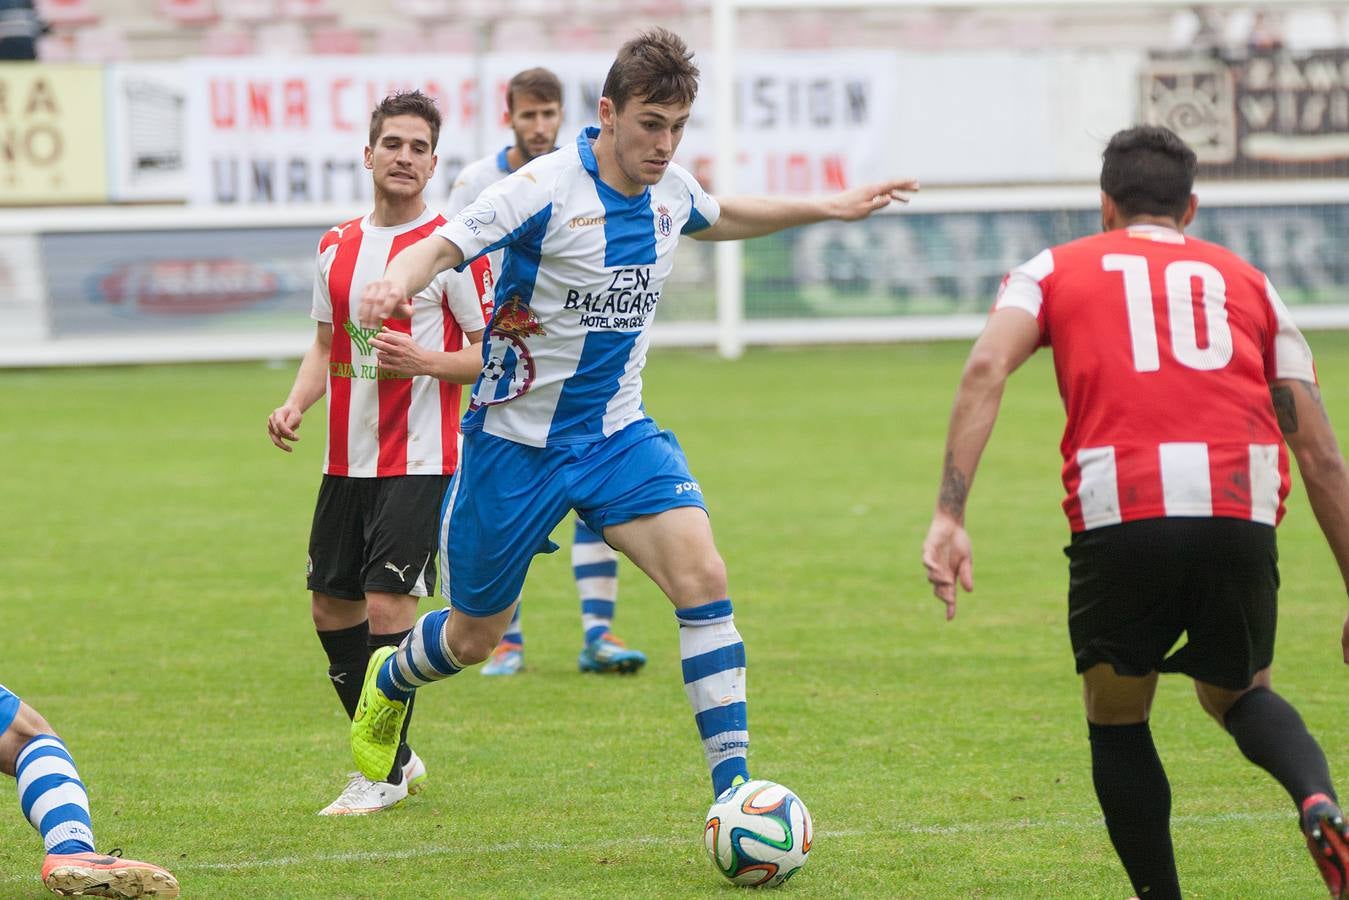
(380, 300)
(948, 558)
(862, 201)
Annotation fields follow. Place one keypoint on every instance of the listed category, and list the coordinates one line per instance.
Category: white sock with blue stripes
(422, 658)
(594, 565)
(53, 797)
(713, 657)
(515, 634)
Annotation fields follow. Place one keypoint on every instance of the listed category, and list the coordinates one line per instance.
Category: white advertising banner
(809, 122)
(147, 115)
(286, 132)
(272, 132)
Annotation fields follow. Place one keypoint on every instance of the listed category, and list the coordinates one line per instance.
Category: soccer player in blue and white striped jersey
(54, 800)
(556, 422)
(534, 111)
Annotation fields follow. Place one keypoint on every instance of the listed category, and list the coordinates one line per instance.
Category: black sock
(404, 751)
(1271, 734)
(348, 652)
(1135, 796)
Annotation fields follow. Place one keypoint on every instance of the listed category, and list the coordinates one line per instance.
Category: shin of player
(53, 798)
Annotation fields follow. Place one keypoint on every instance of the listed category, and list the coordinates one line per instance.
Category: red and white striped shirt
(1164, 347)
(380, 424)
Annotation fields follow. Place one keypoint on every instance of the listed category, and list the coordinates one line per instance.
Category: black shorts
(376, 534)
(1135, 588)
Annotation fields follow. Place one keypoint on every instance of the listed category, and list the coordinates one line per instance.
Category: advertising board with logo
(51, 134)
(1266, 115)
(952, 263)
(257, 279)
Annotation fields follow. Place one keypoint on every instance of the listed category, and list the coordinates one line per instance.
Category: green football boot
(378, 723)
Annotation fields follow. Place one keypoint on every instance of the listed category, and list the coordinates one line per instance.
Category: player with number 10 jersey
(1197, 451)
(1183, 376)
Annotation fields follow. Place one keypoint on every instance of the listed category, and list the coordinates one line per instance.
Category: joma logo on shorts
(687, 487)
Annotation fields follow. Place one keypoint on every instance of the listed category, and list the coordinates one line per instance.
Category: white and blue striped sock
(53, 797)
(422, 658)
(514, 634)
(594, 565)
(713, 657)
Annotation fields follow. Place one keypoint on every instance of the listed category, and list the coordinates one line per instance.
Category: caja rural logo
(172, 287)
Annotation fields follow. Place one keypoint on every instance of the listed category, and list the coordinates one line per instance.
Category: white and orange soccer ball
(758, 834)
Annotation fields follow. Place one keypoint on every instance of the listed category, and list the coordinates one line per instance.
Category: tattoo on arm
(954, 488)
(1315, 393)
(1285, 408)
(1285, 404)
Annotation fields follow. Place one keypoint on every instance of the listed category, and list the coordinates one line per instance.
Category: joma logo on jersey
(585, 222)
(687, 487)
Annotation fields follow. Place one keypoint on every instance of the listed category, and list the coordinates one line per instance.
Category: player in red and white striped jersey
(393, 423)
(1183, 376)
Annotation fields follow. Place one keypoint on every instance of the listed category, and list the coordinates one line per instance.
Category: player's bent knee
(701, 583)
(334, 613)
(27, 724)
(389, 613)
(471, 648)
(1216, 701)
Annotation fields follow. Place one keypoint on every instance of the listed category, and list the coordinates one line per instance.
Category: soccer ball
(758, 834)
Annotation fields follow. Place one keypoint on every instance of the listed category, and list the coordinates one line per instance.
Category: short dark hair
(538, 83)
(656, 66)
(406, 103)
(1148, 170)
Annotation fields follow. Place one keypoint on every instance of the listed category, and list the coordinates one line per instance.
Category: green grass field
(154, 610)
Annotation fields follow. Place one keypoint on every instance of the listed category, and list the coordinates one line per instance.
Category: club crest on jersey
(515, 319)
(507, 373)
(664, 224)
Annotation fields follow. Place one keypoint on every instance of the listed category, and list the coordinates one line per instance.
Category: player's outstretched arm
(749, 217)
(409, 272)
(1008, 340)
(311, 382)
(401, 355)
(1306, 428)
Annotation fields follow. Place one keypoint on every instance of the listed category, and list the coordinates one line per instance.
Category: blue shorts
(507, 498)
(9, 708)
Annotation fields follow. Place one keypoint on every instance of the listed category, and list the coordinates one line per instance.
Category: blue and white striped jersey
(576, 294)
(475, 178)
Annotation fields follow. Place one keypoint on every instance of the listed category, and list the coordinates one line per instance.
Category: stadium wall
(157, 285)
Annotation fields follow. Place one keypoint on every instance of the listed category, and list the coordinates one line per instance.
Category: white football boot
(361, 796)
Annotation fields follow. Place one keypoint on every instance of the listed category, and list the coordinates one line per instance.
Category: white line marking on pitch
(425, 852)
